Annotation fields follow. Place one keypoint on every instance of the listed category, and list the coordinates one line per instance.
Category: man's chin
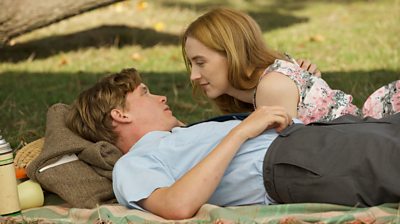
(177, 123)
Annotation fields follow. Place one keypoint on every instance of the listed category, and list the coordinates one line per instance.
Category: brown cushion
(83, 183)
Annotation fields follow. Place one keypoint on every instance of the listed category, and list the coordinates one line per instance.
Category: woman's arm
(276, 89)
(191, 191)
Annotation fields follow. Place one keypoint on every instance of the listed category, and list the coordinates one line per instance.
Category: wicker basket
(28, 153)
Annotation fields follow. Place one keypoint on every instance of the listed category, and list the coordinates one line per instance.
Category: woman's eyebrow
(197, 57)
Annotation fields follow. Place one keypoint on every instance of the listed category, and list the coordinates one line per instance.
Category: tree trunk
(22, 16)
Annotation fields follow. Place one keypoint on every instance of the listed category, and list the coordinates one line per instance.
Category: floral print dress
(318, 102)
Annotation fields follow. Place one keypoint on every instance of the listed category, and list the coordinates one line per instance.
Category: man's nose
(163, 99)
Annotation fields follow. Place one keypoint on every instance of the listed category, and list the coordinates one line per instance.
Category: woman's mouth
(204, 85)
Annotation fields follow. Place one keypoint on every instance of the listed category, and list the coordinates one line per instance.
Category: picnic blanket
(285, 213)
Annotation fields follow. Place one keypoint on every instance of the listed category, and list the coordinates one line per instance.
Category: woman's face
(209, 68)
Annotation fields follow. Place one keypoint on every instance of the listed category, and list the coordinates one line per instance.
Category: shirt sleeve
(136, 177)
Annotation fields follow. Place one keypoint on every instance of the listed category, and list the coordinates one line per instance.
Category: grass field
(355, 43)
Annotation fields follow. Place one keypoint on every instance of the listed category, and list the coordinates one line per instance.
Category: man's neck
(124, 147)
(126, 140)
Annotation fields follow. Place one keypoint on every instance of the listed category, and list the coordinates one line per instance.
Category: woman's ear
(120, 116)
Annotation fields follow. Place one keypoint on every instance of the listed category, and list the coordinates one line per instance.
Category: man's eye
(145, 90)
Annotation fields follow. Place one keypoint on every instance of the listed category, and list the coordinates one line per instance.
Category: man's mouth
(167, 109)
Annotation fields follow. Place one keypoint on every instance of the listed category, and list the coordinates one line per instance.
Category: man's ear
(119, 116)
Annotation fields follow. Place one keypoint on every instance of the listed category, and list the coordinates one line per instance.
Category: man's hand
(308, 66)
(263, 118)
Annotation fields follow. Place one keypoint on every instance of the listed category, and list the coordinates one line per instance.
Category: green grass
(354, 43)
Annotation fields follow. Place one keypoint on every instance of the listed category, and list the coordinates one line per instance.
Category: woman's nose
(194, 75)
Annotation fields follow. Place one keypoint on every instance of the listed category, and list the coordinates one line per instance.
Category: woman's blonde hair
(237, 36)
(90, 114)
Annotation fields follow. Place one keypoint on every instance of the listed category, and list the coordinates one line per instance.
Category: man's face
(149, 112)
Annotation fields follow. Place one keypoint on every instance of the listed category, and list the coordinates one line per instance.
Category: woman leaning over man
(229, 61)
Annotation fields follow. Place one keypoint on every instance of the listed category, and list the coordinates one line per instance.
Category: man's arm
(184, 198)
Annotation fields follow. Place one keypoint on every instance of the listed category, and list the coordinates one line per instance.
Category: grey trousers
(349, 161)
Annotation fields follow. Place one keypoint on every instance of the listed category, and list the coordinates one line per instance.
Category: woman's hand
(308, 66)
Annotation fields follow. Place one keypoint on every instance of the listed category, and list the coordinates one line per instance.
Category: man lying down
(172, 170)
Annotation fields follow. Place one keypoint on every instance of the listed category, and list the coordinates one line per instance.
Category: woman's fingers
(310, 67)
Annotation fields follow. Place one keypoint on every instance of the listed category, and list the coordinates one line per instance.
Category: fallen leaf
(12, 42)
(159, 26)
(119, 7)
(141, 5)
(63, 62)
(136, 56)
(317, 38)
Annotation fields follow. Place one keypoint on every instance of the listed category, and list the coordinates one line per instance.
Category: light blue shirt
(160, 158)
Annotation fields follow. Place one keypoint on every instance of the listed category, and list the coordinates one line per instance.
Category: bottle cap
(2, 141)
(4, 146)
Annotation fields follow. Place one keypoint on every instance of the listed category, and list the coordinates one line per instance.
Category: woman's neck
(242, 95)
(245, 95)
